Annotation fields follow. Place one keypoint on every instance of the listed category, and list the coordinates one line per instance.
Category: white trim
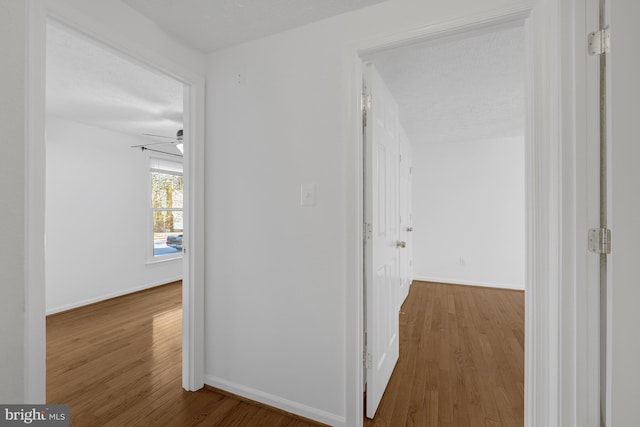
(531, 293)
(193, 267)
(159, 259)
(469, 283)
(543, 299)
(35, 321)
(543, 201)
(354, 327)
(277, 402)
(581, 323)
(193, 336)
(88, 301)
(96, 31)
(449, 30)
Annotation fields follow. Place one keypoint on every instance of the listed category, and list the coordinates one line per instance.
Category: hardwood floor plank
(461, 359)
(266, 418)
(119, 363)
(219, 413)
(406, 373)
(418, 399)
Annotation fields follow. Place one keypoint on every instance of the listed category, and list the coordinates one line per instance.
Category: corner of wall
(276, 401)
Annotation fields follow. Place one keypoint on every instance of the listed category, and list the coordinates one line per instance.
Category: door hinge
(367, 360)
(600, 240)
(365, 104)
(599, 42)
(366, 231)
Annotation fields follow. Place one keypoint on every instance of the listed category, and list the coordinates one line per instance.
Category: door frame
(193, 261)
(553, 333)
(584, 137)
(479, 28)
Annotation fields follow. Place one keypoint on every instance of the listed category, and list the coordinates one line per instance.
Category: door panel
(382, 262)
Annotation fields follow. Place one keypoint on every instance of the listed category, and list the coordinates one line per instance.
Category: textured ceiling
(209, 25)
(456, 90)
(459, 90)
(90, 84)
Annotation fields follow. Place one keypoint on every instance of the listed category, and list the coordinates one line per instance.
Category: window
(166, 207)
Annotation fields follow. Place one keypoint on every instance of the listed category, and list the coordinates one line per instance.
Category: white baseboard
(276, 401)
(77, 304)
(470, 283)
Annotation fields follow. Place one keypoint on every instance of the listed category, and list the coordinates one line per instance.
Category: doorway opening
(455, 180)
(112, 191)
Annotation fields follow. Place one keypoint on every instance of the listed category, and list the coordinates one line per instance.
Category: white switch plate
(307, 194)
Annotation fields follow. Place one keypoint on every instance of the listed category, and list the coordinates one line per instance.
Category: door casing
(193, 264)
(553, 251)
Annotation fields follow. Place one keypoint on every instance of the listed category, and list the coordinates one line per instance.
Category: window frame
(150, 210)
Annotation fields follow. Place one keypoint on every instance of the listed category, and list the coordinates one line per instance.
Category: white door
(406, 224)
(382, 255)
(623, 69)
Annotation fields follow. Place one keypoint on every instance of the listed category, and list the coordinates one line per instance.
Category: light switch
(307, 194)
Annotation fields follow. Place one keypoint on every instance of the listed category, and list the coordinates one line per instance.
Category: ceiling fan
(177, 140)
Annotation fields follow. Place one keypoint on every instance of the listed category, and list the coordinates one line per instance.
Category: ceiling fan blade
(159, 136)
(153, 143)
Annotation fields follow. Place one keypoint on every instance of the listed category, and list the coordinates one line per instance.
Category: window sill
(163, 259)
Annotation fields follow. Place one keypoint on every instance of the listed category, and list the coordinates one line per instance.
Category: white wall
(623, 291)
(277, 273)
(127, 26)
(468, 212)
(12, 214)
(97, 217)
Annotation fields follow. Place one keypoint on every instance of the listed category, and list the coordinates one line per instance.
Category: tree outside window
(167, 209)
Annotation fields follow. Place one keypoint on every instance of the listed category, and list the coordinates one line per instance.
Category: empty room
(114, 220)
(445, 175)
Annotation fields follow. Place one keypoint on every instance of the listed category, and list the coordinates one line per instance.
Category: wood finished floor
(118, 363)
(461, 359)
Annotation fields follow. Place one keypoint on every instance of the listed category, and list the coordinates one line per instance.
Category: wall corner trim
(276, 401)
(481, 284)
(66, 307)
